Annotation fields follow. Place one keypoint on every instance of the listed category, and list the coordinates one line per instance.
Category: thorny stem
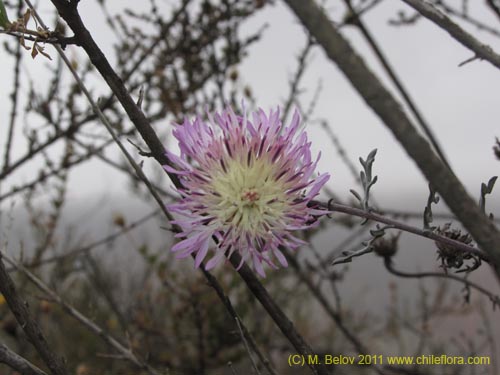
(34, 36)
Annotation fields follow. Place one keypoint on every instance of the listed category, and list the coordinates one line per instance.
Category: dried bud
(119, 220)
(386, 247)
(45, 306)
(451, 256)
(260, 3)
(247, 91)
(233, 75)
(83, 369)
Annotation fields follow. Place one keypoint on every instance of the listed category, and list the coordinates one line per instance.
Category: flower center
(249, 196)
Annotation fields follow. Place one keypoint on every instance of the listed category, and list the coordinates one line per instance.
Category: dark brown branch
(14, 96)
(279, 317)
(23, 316)
(391, 113)
(61, 41)
(18, 363)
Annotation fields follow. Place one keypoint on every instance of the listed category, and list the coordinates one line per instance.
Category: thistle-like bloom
(247, 186)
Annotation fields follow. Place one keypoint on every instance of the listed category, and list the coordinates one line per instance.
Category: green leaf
(4, 20)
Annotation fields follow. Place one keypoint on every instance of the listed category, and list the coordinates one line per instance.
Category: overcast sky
(460, 103)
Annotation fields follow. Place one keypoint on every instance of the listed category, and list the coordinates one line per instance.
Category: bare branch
(247, 337)
(468, 284)
(18, 363)
(14, 96)
(110, 340)
(430, 12)
(356, 20)
(336, 207)
(23, 316)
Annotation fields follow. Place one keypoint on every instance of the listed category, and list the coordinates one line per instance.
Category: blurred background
(72, 211)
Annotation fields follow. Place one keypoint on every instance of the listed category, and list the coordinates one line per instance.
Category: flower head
(247, 186)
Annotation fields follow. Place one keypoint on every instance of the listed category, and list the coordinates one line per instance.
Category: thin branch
(252, 360)
(102, 241)
(337, 207)
(33, 36)
(469, 284)
(318, 294)
(294, 84)
(356, 20)
(93, 327)
(465, 17)
(23, 316)
(279, 317)
(107, 124)
(230, 309)
(58, 171)
(430, 12)
(68, 11)
(14, 97)
(495, 7)
(106, 103)
(18, 363)
(341, 151)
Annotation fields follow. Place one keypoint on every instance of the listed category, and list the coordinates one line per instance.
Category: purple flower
(247, 185)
